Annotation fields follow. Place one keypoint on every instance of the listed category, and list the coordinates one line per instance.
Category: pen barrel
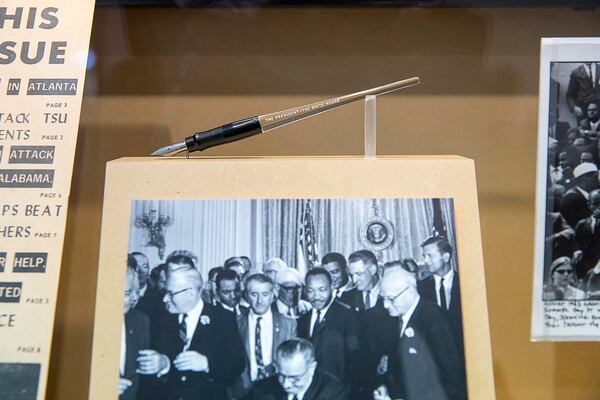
(223, 134)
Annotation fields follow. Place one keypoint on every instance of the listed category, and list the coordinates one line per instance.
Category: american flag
(439, 228)
(308, 253)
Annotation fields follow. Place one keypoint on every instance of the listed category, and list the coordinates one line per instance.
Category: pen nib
(170, 149)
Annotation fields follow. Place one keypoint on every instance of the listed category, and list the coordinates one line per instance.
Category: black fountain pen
(263, 123)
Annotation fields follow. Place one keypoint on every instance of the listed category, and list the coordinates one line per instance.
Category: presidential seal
(377, 234)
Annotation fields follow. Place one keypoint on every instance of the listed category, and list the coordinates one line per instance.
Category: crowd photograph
(572, 226)
(294, 299)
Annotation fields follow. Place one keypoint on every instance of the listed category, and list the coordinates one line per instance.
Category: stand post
(370, 127)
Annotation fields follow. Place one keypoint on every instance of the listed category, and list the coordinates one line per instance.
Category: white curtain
(260, 229)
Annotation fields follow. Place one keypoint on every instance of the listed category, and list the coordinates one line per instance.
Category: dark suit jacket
(335, 340)
(137, 337)
(581, 87)
(425, 364)
(284, 328)
(354, 298)
(574, 207)
(219, 341)
(588, 242)
(377, 332)
(323, 387)
(426, 289)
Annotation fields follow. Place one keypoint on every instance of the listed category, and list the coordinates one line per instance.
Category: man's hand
(578, 111)
(151, 362)
(381, 393)
(382, 367)
(123, 385)
(191, 361)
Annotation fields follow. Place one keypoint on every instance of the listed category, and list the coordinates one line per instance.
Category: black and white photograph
(567, 238)
(292, 299)
(572, 253)
(19, 381)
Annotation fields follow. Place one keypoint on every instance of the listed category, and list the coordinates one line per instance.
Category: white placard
(43, 53)
(566, 304)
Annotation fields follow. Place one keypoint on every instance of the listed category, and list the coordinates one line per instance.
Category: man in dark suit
(587, 238)
(330, 326)
(425, 363)
(200, 350)
(575, 201)
(298, 377)
(135, 336)
(442, 287)
(362, 267)
(262, 330)
(229, 290)
(376, 327)
(583, 87)
(336, 265)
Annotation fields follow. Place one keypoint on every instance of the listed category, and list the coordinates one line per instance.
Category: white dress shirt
(236, 310)
(191, 322)
(313, 317)
(448, 278)
(266, 340)
(373, 296)
(408, 314)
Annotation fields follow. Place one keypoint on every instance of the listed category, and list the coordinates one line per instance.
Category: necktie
(443, 296)
(183, 331)
(367, 300)
(258, 351)
(317, 322)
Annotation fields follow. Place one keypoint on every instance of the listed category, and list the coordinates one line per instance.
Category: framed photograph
(326, 278)
(566, 290)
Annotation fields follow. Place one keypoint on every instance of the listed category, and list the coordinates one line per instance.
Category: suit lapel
(245, 332)
(276, 331)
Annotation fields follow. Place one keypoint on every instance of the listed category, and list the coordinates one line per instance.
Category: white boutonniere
(205, 320)
(412, 350)
(409, 332)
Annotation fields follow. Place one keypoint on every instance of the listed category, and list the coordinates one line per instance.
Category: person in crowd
(298, 377)
(289, 303)
(590, 126)
(262, 330)
(143, 267)
(229, 290)
(563, 280)
(442, 287)
(330, 326)
(135, 335)
(376, 327)
(272, 266)
(583, 88)
(424, 362)
(562, 173)
(587, 237)
(335, 264)
(158, 277)
(199, 349)
(209, 292)
(362, 267)
(591, 283)
(247, 263)
(558, 130)
(179, 261)
(236, 264)
(559, 235)
(408, 264)
(575, 204)
(193, 257)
